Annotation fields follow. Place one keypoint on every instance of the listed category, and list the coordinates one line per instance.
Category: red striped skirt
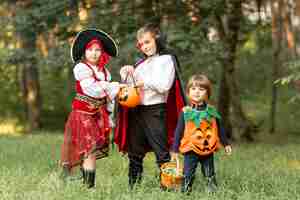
(85, 134)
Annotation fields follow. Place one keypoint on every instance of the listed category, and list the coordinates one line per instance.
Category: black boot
(89, 178)
(66, 172)
(134, 178)
(83, 174)
(186, 186)
(212, 184)
(135, 172)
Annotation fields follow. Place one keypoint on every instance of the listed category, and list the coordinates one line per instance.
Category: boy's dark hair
(201, 81)
(160, 38)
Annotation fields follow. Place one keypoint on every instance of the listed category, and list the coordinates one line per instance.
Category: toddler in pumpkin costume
(198, 134)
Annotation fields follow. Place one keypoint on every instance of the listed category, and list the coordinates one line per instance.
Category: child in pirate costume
(86, 136)
(198, 134)
(150, 126)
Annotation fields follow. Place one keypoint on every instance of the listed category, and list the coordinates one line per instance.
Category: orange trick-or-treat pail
(129, 96)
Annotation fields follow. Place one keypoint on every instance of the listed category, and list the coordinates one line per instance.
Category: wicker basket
(172, 180)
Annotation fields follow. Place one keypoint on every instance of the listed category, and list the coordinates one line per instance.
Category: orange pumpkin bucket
(171, 175)
(129, 96)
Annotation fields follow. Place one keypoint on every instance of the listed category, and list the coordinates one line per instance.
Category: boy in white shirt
(150, 125)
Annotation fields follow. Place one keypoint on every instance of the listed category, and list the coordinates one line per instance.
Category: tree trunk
(70, 77)
(32, 95)
(289, 29)
(30, 85)
(244, 126)
(224, 105)
(276, 46)
(295, 21)
(148, 12)
(224, 90)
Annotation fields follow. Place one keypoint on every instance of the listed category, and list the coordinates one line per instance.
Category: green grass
(29, 171)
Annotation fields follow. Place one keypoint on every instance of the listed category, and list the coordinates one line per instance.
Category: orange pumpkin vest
(203, 140)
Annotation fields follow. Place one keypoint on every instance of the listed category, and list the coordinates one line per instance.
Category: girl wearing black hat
(86, 136)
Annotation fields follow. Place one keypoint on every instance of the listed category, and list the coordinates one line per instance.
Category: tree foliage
(191, 27)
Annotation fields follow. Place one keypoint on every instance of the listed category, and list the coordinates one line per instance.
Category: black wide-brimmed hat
(85, 36)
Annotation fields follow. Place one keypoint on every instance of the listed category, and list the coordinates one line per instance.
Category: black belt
(94, 102)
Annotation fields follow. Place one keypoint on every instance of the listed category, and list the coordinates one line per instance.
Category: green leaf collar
(191, 114)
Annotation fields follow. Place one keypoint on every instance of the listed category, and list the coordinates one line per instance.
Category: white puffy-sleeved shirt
(158, 74)
(95, 87)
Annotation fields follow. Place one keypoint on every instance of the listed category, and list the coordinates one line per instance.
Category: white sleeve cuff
(112, 89)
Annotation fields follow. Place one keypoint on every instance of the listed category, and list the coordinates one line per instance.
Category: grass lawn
(29, 171)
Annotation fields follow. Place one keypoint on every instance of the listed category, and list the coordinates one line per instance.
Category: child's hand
(228, 149)
(122, 85)
(125, 70)
(174, 156)
(140, 83)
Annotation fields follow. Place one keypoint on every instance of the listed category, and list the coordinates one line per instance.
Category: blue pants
(191, 161)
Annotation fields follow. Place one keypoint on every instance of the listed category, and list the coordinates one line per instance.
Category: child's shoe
(212, 184)
(83, 174)
(187, 183)
(89, 177)
(65, 174)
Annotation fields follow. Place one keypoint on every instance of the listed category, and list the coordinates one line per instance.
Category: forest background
(248, 48)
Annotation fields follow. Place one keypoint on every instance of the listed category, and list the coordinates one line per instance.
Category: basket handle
(133, 80)
(177, 166)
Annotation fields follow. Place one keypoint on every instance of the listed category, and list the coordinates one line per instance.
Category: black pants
(191, 161)
(146, 131)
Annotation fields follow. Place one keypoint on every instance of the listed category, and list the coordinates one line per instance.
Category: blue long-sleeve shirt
(181, 127)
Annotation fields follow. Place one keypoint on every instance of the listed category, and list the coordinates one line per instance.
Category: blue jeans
(191, 161)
